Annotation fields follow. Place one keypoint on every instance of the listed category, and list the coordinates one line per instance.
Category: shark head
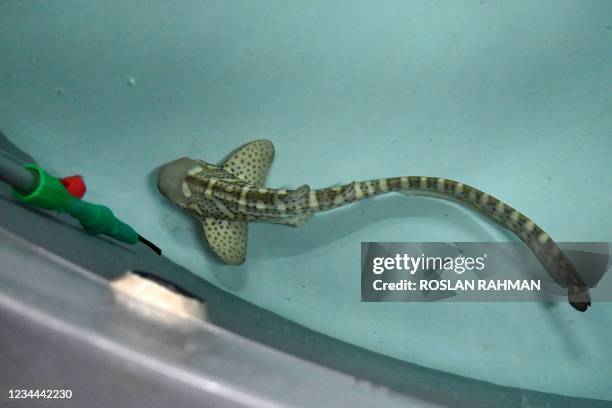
(171, 177)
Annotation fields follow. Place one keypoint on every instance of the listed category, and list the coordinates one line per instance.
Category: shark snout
(171, 177)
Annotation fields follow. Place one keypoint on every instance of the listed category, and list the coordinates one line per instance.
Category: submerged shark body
(226, 198)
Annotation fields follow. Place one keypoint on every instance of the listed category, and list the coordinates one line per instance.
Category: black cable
(150, 244)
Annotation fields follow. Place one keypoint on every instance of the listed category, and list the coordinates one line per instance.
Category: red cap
(75, 185)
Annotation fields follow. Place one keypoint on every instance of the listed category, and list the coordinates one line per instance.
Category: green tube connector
(96, 219)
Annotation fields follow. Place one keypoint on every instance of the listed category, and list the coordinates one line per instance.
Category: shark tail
(579, 297)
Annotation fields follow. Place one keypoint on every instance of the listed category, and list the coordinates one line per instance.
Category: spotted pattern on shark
(227, 197)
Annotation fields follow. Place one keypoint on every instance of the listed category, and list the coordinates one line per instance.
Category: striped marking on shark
(226, 198)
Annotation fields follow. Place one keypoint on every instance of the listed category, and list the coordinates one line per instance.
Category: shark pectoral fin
(251, 162)
(227, 238)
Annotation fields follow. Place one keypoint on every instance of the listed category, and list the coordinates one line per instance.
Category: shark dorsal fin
(227, 238)
(299, 194)
(251, 162)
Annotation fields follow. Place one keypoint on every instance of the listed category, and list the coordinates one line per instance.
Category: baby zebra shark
(227, 197)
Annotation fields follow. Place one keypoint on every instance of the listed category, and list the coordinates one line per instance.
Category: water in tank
(514, 98)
